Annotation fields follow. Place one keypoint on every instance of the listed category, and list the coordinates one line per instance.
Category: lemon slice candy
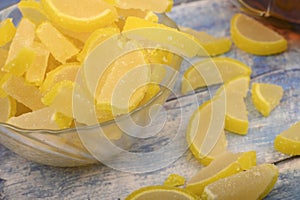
(214, 46)
(96, 38)
(223, 166)
(255, 38)
(205, 133)
(174, 180)
(254, 183)
(78, 15)
(203, 73)
(236, 114)
(153, 5)
(162, 36)
(266, 97)
(63, 72)
(161, 192)
(235, 91)
(288, 142)
(118, 89)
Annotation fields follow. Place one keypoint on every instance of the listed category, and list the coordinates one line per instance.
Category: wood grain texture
(22, 179)
(288, 181)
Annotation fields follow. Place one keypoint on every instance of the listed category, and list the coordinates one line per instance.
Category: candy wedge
(223, 166)
(254, 183)
(7, 31)
(288, 141)
(163, 192)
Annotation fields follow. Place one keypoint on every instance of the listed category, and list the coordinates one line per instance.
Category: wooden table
(22, 179)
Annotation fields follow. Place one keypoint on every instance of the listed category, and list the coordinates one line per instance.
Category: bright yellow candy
(213, 46)
(235, 91)
(253, 37)
(8, 108)
(60, 97)
(62, 120)
(24, 38)
(59, 46)
(80, 36)
(28, 95)
(55, 39)
(174, 180)
(153, 5)
(205, 133)
(288, 141)
(96, 38)
(225, 165)
(254, 183)
(63, 72)
(168, 38)
(161, 192)
(21, 63)
(3, 57)
(36, 72)
(152, 90)
(78, 15)
(117, 92)
(7, 31)
(266, 97)
(212, 71)
(3, 78)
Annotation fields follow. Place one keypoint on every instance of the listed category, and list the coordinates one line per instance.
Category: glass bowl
(77, 146)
